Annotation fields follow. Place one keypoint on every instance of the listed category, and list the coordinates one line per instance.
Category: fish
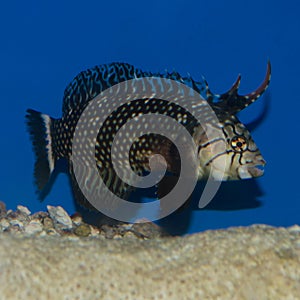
(52, 138)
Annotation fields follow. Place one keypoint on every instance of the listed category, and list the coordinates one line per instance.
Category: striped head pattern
(242, 156)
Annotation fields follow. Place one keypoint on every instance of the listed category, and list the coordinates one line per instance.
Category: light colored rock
(16, 222)
(33, 227)
(60, 217)
(294, 229)
(257, 262)
(4, 224)
(24, 210)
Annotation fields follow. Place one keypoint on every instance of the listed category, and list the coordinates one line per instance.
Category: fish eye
(239, 143)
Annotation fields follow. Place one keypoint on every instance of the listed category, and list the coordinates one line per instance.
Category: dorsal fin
(91, 82)
(232, 102)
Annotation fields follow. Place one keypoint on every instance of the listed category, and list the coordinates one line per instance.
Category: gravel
(56, 221)
(45, 256)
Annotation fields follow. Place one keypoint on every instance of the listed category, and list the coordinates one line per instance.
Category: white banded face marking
(242, 155)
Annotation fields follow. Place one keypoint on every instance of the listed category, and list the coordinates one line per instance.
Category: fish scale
(53, 138)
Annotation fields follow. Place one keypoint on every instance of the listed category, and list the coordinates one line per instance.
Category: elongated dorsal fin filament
(232, 102)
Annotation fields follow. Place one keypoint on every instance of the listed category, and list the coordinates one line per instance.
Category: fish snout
(253, 169)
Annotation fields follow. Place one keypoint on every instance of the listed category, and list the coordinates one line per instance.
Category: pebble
(148, 230)
(52, 231)
(13, 214)
(48, 223)
(76, 218)
(16, 222)
(60, 216)
(294, 229)
(2, 208)
(33, 227)
(130, 234)
(95, 231)
(4, 224)
(39, 215)
(108, 231)
(83, 230)
(57, 222)
(24, 210)
(14, 229)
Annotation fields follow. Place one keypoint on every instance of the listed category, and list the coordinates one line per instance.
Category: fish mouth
(256, 171)
(252, 170)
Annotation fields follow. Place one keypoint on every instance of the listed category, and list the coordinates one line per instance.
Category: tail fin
(39, 127)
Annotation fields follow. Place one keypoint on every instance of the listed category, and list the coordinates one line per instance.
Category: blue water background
(44, 44)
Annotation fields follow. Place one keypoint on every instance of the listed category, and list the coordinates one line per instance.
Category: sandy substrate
(257, 262)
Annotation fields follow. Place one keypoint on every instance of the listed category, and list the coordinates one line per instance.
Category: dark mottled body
(52, 138)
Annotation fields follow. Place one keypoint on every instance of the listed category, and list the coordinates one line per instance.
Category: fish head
(227, 151)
